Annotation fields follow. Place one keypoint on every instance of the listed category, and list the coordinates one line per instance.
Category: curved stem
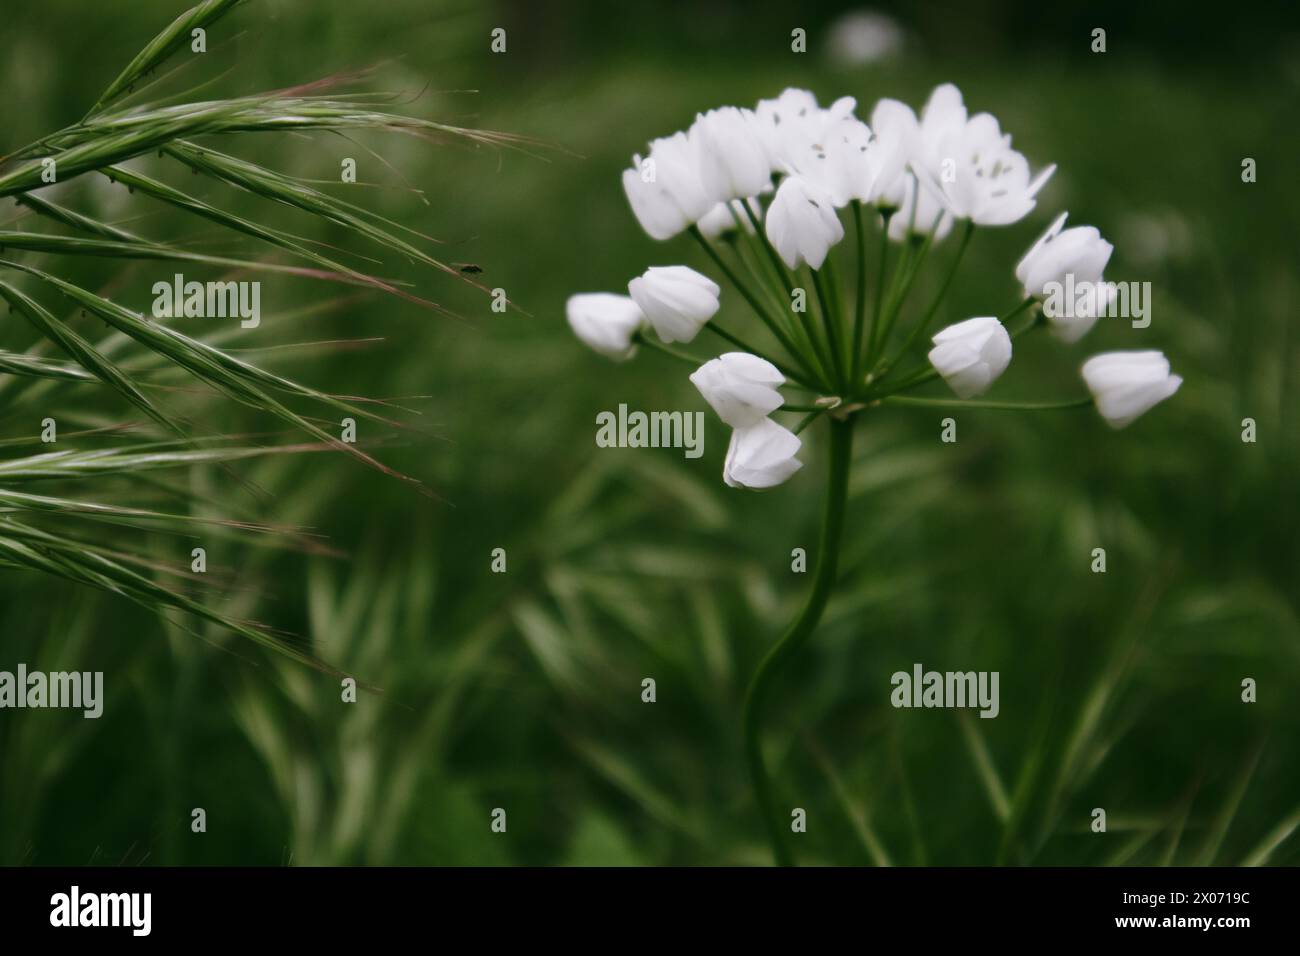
(860, 300)
(831, 325)
(797, 634)
(878, 328)
(1025, 303)
(769, 283)
(920, 326)
(744, 291)
(926, 372)
(894, 304)
(738, 342)
(640, 338)
(761, 233)
(880, 288)
(1036, 319)
(983, 403)
(808, 420)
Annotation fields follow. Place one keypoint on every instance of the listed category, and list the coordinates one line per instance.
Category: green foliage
(522, 690)
(101, 142)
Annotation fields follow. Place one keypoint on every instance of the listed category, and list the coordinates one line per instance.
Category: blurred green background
(522, 690)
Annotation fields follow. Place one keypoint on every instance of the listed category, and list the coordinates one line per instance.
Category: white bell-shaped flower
(1070, 259)
(730, 157)
(664, 189)
(929, 214)
(740, 387)
(605, 322)
(761, 455)
(840, 162)
(971, 355)
(676, 300)
(1126, 384)
(791, 126)
(801, 223)
(895, 134)
(981, 178)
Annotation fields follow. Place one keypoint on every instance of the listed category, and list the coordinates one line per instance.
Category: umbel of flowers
(770, 195)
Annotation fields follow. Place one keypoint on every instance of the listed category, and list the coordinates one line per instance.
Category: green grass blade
(1276, 837)
(175, 36)
(16, 363)
(85, 354)
(232, 377)
(78, 221)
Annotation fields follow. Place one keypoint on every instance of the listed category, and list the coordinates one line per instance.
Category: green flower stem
(824, 350)
(886, 215)
(860, 301)
(808, 420)
(754, 262)
(924, 373)
(881, 328)
(836, 355)
(642, 339)
(1036, 319)
(837, 305)
(886, 306)
(901, 287)
(977, 403)
(1025, 303)
(749, 297)
(938, 299)
(772, 286)
(787, 282)
(797, 634)
(744, 346)
(777, 265)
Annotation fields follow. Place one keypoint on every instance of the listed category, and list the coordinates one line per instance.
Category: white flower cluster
(942, 166)
(786, 167)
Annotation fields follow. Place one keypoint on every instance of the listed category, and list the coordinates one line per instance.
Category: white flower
(732, 161)
(761, 455)
(801, 223)
(897, 129)
(971, 354)
(605, 322)
(980, 177)
(930, 215)
(740, 387)
(792, 124)
(1126, 384)
(840, 162)
(676, 300)
(719, 219)
(895, 136)
(944, 114)
(1080, 253)
(665, 190)
(828, 147)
